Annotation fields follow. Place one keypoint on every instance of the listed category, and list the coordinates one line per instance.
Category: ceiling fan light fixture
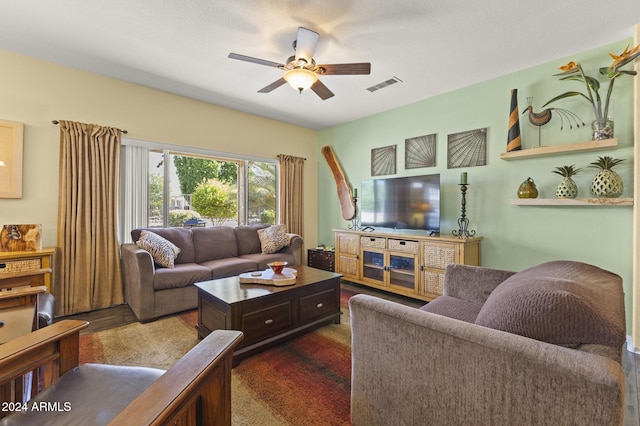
(300, 78)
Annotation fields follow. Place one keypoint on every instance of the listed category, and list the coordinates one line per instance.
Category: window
(195, 188)
(261, 182)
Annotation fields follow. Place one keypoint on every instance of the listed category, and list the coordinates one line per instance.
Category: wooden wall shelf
(544, 151)
(572, 202)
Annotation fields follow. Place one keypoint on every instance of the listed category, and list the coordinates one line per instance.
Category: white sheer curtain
(134, 212)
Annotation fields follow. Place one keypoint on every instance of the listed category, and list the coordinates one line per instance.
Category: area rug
(303, 381)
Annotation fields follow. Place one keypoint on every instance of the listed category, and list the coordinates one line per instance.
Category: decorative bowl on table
(277, 266)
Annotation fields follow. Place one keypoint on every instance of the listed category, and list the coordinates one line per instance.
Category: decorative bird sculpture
(539, 119)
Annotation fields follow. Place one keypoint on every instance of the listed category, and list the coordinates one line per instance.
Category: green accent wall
(515, 237)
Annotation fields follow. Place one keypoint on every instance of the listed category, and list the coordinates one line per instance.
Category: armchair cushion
(109, 387)
(163, 251)
(46, 305)
(559, 302)
(451, 307)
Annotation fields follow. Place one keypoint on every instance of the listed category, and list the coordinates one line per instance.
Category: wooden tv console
(408, 264)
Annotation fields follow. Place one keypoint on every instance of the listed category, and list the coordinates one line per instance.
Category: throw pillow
(163, 251)
(564, 303)
(273, 238)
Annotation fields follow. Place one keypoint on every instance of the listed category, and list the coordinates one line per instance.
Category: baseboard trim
(631, 347)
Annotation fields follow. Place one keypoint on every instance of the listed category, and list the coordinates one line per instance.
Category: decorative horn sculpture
(344, 191)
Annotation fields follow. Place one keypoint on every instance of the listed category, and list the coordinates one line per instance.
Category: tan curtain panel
(88, 262)
(291, 193)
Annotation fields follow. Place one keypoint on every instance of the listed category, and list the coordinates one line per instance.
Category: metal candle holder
(355, 220)
(463, 222)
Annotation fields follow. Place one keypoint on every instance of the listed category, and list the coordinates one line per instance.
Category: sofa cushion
(182, 275)
(221, 268)
(181, 237)
(216, 242)
(247, 238)
(453, 307)
(261, 260)
(273, 238)
(162, 250)
(559, 302)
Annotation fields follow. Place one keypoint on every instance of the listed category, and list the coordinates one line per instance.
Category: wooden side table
(27, 268)
(321, 259)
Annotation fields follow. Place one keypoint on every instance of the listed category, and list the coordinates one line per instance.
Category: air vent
(384, 84)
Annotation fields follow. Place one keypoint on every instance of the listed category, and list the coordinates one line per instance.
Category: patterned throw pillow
(273, 238)
(163, 251)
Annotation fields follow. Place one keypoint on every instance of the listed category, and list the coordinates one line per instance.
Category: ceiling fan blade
(321, 90)
(306, 44)
(272, 86)
(346, 69)
(254, 60)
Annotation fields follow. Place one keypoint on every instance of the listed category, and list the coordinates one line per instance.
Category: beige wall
(36, 92)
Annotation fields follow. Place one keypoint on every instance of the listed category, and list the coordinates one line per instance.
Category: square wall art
(11, 159)
(467, 149)
(383, 160)
(420, 152)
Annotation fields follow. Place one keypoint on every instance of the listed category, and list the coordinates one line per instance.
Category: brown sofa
(541, 346)
(205, 253)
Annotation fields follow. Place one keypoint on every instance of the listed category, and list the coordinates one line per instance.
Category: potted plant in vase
(602, 125)
(567, 187)
(607, 183)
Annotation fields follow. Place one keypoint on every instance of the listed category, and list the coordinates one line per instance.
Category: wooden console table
(27, 268)
(409, 264)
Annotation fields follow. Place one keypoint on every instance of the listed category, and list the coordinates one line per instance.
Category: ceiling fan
(301, 70)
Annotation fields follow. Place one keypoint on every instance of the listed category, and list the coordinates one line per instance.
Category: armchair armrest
(198, 386)
(472, 283)
(55, 348)
(414, 365)
(20, 294)
(199, 380)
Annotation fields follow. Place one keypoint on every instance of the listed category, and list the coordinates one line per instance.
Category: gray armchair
(425, 366)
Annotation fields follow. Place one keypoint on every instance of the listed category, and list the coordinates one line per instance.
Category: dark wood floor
(121, 315)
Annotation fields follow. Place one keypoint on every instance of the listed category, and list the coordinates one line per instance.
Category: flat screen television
(410, 202)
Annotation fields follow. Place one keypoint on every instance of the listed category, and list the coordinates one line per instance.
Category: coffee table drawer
(317, 305)
(264, 323)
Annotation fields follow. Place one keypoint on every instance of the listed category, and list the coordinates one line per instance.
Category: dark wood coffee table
(268, 314)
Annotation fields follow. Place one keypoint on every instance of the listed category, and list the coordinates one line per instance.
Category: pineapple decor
(567, 187)
(607, 183)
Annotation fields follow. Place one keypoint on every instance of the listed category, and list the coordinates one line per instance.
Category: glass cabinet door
(402, 270)
(373, 266)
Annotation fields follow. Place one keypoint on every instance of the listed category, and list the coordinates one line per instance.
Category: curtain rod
(57, 122)
(280, 155)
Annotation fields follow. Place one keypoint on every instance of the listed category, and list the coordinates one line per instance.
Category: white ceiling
(433, 46)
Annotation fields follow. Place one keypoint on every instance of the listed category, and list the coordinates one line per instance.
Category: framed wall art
(11, 133)
(24, 237)
(420, 152)
(383, 161)
(467, 149)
